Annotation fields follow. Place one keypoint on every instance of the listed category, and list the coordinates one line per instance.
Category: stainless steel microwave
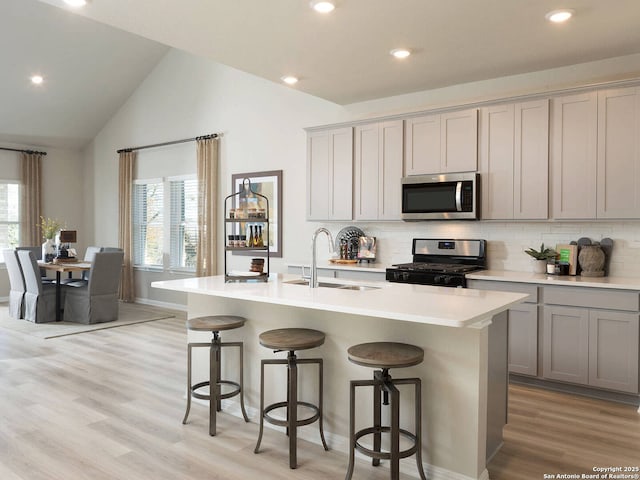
(453, 196)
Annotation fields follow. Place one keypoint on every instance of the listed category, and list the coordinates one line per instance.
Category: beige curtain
(207, 153)
(127, 163)
(30, 204)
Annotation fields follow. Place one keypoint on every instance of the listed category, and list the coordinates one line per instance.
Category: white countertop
(365, 267)
(623, 283)
(452, 307)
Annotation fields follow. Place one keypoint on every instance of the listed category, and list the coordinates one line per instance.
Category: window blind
(148, 222)
(9, 215)
(183, 223)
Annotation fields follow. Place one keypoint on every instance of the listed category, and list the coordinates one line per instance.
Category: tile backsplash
(507, 241)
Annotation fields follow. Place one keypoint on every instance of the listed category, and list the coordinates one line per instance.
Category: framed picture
(268, 184)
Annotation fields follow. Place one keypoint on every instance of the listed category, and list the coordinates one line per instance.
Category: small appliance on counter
(367, 249)
(442, 262)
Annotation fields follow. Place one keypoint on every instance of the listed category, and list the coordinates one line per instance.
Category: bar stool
(214, 324)
(291, 339)
(386, 355)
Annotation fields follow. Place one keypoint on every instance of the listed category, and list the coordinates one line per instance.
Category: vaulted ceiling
(94, 57)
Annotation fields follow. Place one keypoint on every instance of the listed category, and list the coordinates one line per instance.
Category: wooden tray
(342, 261)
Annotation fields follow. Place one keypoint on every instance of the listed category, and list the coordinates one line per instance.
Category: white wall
(262, 125)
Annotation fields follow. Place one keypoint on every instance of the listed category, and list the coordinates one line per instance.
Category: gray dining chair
(37, 253)
(17, 286)
(97, 300)
(89, 255)
(39, 298)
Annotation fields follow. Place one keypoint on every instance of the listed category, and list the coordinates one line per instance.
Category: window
(148, 228)
(9, 214)
(160, 206)
(184, 223)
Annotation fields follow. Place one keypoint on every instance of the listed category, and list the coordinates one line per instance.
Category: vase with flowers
(48, 229)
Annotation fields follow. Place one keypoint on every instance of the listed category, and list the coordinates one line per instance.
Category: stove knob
(405, 276)
(437, 280)
(448, 280)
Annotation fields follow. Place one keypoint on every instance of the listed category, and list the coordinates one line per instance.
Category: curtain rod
(22, 151)
(184, 140)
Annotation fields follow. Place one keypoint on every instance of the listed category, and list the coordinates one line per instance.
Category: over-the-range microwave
(452, 196)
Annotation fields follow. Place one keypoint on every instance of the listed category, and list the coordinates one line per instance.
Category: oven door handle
(459, 196)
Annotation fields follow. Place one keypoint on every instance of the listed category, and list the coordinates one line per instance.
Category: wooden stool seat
(291, 339)
(215, 323)
(385, 355)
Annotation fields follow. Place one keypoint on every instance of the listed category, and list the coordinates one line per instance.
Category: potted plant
(541, 257)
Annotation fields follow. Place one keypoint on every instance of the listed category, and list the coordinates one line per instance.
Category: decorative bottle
(250, 242)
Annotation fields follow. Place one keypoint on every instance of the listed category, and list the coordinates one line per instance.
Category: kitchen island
(462, 331)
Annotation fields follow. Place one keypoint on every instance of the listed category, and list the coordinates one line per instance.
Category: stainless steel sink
(341, 286)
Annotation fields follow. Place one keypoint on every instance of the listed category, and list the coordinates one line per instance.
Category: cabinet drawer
(530, 289)
(592, 298)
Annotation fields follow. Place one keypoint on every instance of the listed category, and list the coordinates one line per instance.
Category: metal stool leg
(292, 409)
(214, 386)
(352, 430)
(186, 414)
(418, 417)
(377, 420)
(395, 433)
(321, 390)
(244, 413)
(257, 449)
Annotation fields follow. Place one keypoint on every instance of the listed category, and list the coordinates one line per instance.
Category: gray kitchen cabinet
(618, 153)
(378, 171)
(442, 143)
(523, 325)
(613, 350)
(574, 135)
(514, 159)
(566, 344)
(330, 174)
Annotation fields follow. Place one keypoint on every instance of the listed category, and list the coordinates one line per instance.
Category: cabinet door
(390, 187)
(566, 344)
(613, 350)
(619, 153)
(459, 141)
(422, 145)
(367, 171)
(523, 339)
(317, 175)
(378, 171)
(573, 142)
(531, 160)
(496, 162)
(330, 174)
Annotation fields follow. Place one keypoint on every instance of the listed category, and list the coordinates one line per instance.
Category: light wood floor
(108, 405)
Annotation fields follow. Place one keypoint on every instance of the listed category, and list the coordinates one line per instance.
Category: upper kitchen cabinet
(618, 191)
(330, 174)
(514, 160)
(378, 171)
(574, 131)
(442, 143)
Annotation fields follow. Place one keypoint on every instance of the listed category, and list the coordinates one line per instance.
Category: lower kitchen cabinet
(578, 335)
(566, 344)
(523, 339)
(613, 350)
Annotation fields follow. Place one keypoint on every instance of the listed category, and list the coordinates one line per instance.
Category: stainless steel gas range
(442, 262)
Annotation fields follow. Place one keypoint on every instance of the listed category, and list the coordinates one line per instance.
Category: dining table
(60, 267)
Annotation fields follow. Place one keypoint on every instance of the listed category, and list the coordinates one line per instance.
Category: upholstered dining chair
(97, 300)
(39, 298)
(37, 254)
(17, 286)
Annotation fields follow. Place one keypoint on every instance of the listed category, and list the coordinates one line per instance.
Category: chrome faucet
(313, 279)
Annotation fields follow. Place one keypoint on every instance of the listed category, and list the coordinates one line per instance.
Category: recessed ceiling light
(323, 6)
(289, 80)
(400, 52)
(76, 3)
(37, 79)
(559, 16)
